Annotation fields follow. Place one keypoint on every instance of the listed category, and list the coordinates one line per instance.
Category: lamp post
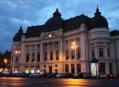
(73, 45)
(73, 52)
(17, 53)
(5, 61)
(5, 69)
(94, 67)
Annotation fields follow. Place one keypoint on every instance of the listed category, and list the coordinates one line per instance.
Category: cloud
(14, 13)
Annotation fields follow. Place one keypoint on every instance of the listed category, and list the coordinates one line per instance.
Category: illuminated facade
(67, 46)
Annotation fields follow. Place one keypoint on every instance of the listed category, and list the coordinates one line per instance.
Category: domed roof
(115, 33)
(55, 20)
(98, 21)
(74, 23)
(18, 35)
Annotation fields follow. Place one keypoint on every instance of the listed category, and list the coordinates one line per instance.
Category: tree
(5, 55)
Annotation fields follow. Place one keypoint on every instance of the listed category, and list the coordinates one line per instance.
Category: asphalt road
(36, 82)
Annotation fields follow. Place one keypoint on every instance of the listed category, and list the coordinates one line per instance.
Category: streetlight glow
(73, 45)
(17, 52)
(5, 61)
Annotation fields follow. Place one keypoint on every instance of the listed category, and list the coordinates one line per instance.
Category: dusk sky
(14, 13)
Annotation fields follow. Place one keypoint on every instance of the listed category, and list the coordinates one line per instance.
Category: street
(36, 82)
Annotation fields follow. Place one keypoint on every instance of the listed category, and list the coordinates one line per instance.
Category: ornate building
(79, 44)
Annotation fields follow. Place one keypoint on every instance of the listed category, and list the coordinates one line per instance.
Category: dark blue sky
(14, 13)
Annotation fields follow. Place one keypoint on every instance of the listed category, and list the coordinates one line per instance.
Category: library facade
(78, 44)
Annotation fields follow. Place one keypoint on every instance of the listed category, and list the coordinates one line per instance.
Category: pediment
(49, 35)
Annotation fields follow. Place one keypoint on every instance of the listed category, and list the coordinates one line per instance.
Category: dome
(18, 35)
(56, 20)
(98, 21)
(115, 33)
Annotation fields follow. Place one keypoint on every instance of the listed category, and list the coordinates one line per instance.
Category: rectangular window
(93, 53)
(72, 68)
(102, 68)
(101, 54)
(44, 71)
(38, 47)
(72, 54)
(44, 45)
(37, 66)
(38, 56)
(108, 52)
(33, 57)
(67, 68)
(67, 54)
(78, 68)
(16, 59)
(50, 69)
(110, 68)
(78, 53)
(57, 54)
(50, 43)
(45, 55)
(56, 71)
(56, 43)
(66, 42)
(27, 57)
(51, 54)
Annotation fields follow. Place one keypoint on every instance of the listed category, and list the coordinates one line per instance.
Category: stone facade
(57, 51)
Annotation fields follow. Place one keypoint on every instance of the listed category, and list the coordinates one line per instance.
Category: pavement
(38, 82)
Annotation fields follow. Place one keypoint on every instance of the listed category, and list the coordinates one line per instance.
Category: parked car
(34, 75)
(45, 75)
(102, 76)
(112, 76)
(60, 75)
(84, 75)
(52, 75)
(16, 74)
(1, 74)
(68, 75)
(24, 74)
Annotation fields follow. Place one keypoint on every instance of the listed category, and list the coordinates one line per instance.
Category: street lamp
(5, 61)
(17, 53)
(5, 69)
(73, 45)
(94, 67)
